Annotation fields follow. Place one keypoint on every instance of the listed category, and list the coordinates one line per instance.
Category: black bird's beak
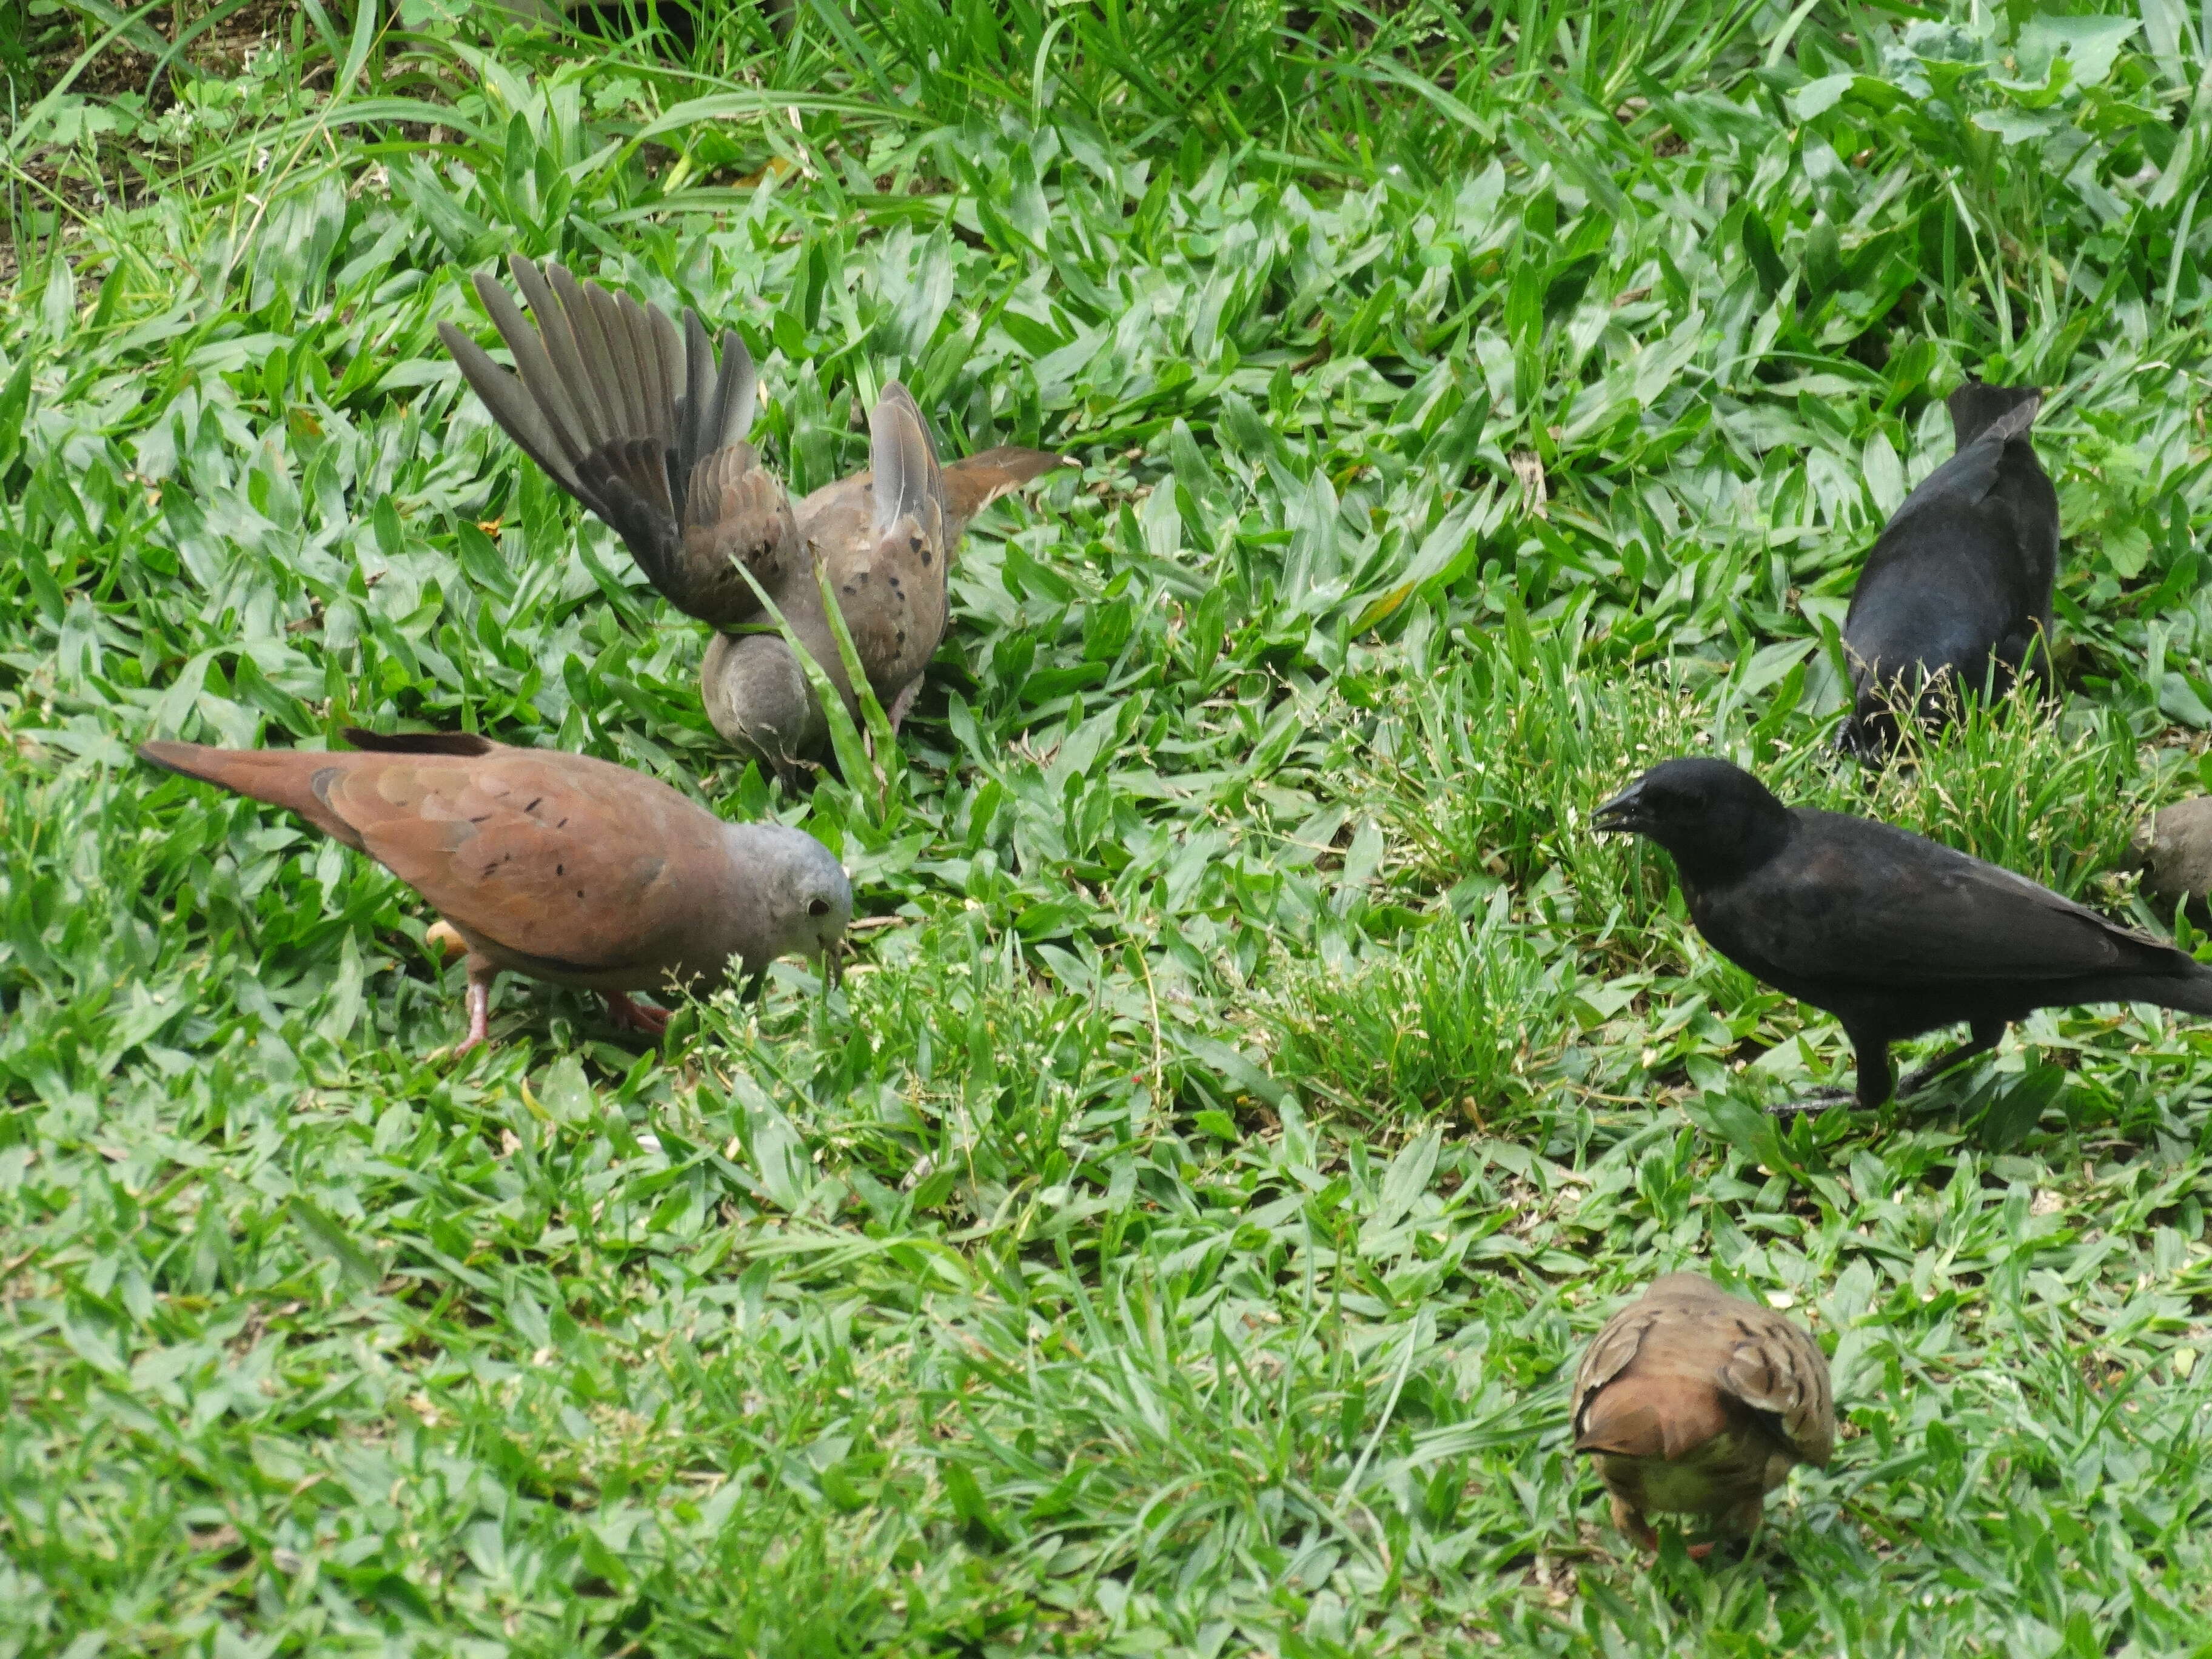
(1623, 812)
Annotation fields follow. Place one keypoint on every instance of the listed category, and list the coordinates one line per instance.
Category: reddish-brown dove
(640, 423)
(1696, 1402)
(554, 865)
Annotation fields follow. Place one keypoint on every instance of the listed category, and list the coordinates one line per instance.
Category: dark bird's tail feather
(2190, 993)
(1975, 408)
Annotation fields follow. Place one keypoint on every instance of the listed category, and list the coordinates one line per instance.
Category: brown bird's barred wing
(891, 587)
(576, 863)
(1611, 1352)
(642, 426)
(1774, 1366)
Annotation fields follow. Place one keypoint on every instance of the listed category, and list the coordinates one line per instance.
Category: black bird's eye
(817, 907)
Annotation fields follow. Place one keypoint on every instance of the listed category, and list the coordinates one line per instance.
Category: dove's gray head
(800, 896)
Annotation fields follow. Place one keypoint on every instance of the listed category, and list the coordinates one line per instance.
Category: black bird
(1892, 933)
(1956, 594)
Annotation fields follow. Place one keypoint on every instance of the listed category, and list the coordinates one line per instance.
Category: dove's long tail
(294, 779)
(972, 484)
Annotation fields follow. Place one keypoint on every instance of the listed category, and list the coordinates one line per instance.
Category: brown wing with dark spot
(888, 552)
(555, 856)
(1773, 1365)
(736, 513)
(572, 860)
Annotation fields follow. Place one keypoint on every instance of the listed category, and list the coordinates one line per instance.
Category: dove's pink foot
(635, 1015)
(481, 974)
(901, 702)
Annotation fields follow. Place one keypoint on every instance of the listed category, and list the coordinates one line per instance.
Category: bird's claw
(633, 1016)
(1820, 1100)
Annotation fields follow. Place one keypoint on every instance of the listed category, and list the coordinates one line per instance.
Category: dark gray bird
(643, 425)
(1956, 594)
(1892, 933)
(557, 866)
(1698, 1402)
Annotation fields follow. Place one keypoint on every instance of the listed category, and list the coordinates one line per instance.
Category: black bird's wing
(1850, 903)
(1961, 575)
(1964, 480)
(641, 425)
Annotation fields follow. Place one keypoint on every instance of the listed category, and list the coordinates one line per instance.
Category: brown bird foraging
(1695, 1402)
(641, 424)
(556, 867)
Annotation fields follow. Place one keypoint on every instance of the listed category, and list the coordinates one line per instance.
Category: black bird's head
(1716, 820)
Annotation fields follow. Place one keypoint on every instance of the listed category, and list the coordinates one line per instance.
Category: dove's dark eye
(817, 907)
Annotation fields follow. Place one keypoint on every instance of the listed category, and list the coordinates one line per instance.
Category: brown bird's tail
(1665, 1416)
(973, 484)
(289, 778)
(1975, 407)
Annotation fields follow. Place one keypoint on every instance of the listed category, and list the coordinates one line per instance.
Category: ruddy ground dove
(642, 424)
(1697, 1401)
(557, 866)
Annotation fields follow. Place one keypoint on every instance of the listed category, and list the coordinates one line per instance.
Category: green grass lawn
(1255, 1082)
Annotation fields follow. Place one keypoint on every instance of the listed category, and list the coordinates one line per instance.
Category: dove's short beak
(833, 967)
(1623, 812)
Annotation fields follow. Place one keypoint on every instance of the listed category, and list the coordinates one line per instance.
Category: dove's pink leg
(903, 702)
(481, 972)
(634, 1015)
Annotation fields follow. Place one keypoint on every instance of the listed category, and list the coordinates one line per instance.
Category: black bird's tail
(1974, 406)
(2189, 995)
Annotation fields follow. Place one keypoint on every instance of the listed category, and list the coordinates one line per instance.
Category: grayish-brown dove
(2174, 851)
(1697, 1401)
(644, 426)
(554, 865)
